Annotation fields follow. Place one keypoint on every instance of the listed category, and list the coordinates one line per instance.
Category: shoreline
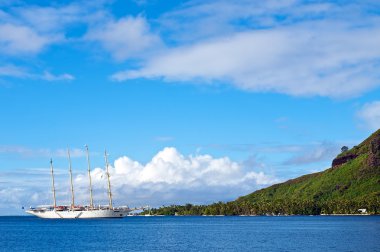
(289, 215)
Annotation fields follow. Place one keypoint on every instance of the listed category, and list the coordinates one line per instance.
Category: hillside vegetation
(352, 183)
(355, 175)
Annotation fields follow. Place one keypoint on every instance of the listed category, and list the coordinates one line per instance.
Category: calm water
(305, 233)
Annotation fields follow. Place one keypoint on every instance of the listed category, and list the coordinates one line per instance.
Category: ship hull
(82, 214)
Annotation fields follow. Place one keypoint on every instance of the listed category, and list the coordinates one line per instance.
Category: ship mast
(89, 177)
(53, 186)
(71, 180)
(108, 178)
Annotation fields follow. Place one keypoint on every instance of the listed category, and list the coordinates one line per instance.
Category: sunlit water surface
(295, 233)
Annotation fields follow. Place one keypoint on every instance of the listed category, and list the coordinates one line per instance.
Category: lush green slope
(352, 183)
(357, 178)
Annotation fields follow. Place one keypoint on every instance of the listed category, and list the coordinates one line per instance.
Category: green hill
(352, 183)
(355, 175)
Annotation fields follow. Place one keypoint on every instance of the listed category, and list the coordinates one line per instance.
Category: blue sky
(196, 101)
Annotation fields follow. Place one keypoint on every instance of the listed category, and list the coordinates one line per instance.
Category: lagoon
(182, 233)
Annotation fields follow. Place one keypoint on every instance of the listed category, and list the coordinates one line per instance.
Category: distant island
(350, 186)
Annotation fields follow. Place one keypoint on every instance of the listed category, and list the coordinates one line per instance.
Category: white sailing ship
(80, 212)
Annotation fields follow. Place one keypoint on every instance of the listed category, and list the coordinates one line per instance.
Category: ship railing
(42, 207)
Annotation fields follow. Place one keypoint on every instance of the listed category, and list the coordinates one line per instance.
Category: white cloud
(13, 71)
(290, 47)
(169, 178)
(40, 152)
(125, 38)
(20, 72)
(177, 179)
(51, 19)
(18, 39)
(313, 59)
(28, 29)
(11, 195)
(370, 115)
(62, 77)
(197, 20)
(315, 153)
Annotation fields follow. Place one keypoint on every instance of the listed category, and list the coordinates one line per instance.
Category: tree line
(274, 207)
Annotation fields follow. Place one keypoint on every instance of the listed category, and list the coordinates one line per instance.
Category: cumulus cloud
(176, 178)
(369, 114)
(168, 178)
(125, 38)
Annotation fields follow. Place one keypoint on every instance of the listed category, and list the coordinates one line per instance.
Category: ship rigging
(72, 211)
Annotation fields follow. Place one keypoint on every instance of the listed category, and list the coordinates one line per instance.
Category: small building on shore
(362, 210)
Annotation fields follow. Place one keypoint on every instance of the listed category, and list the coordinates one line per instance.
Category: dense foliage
(277, 207)
(352, 183)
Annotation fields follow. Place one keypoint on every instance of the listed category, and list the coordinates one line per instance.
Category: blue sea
(293, 233)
